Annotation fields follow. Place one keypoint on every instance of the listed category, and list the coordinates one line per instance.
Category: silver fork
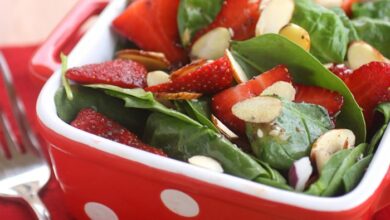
(24, 171)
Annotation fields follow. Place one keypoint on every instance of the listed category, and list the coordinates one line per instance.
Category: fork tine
(28, 137)
(12, 144)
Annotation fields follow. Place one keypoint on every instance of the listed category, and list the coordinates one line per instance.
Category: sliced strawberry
(123, 73)
(370, 84)
(152, 25)
(239, 15)
(330, 100)
(209, 78)
(223, 102)
(340, 70)
(93, 122)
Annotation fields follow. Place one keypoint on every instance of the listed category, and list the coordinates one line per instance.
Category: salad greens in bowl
(294, 94)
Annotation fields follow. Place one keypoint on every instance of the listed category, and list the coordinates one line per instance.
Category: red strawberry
(208, 78)
(239, 15)
(340, 70)
(330, 100)
(370, 84)
(93, 122)
(123, 73)
(223, 102)
(152, 25)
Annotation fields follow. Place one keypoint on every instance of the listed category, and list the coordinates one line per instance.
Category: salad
(294, 94)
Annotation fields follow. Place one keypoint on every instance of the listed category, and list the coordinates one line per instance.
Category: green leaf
(267, 51)
(330, 181)
(328, 36)
(300, 124)
(194, 15)
(138, 98)
(375, 32)
(133, 119)
(197, 110)
(352, 33)
(383, 108)
(379, 9)
(355, 173)
(65, 81)
(182, 140)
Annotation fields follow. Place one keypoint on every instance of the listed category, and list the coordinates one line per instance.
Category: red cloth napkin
(18, 59)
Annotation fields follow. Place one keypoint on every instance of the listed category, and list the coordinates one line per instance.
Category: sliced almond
(329, 143)
(157, 77)
(225, 131)
(275, 15)
(360, 53)
(238, 73)
(188, 68)
(282, 89)
(177, 95)
(151, 60)
(261, 109)
(296, 34)
(330, 3)
(206, 162)
(211, 45)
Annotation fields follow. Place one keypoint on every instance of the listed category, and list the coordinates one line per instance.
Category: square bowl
(106, 180)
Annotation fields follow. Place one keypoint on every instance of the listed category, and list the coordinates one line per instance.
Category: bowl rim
(47, 115)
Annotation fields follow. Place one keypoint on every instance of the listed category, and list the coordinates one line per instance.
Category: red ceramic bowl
(108, 181)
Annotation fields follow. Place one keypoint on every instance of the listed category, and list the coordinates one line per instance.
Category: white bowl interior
(98, 45)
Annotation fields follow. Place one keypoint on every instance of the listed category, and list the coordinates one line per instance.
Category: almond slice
(177, 95)
(296, 34)
(238, 73)
(151, 60)
(225, 131)
(281, 89)
(188, 68)
(329, 143)
(330, 3)
(206, 162)
(261, 109)
(275, 15)
(360, 53)
(157, 77)
(211, 45)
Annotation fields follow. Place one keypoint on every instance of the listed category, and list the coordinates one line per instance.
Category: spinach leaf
(375, 32)
(274, 183)
(352, 33)
(330, 181)
(355, 173)
(267, 51)
(182, 140)
(379, 9)
(194, 15)
(138, 98)
(197, 110)
(299, 125)
(383, 108)
(328, 35)
(133, 119)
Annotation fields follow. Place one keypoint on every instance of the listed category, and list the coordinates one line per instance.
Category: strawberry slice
(223, 102)
(340, 70)
(370, 85)
(209, 78)
(95, 123)
(123, 73)
(239, 15)
(330, 100)
(152, 25)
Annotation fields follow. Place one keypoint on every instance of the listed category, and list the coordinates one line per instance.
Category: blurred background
(24, 22)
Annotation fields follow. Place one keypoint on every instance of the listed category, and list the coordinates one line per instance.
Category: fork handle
(29, 192)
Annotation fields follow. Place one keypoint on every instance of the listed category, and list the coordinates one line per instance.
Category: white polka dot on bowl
(98, 211)
(179, 203)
